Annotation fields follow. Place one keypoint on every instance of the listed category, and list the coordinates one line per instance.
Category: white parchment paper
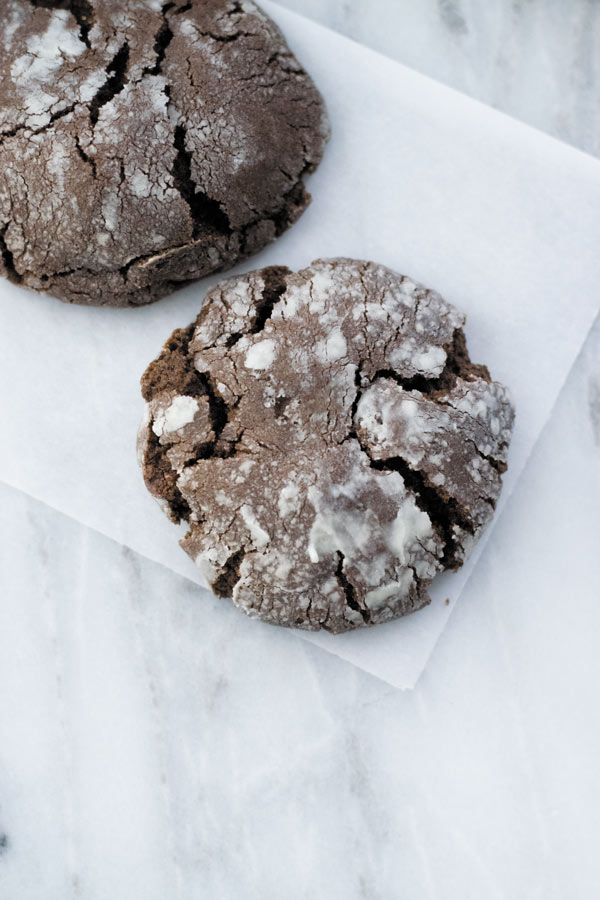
(502, 220)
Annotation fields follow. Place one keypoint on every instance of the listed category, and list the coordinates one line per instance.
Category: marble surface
(141, 756)
(536, 60)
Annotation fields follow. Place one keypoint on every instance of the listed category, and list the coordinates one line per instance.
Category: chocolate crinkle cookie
(144, 144)
(327, 439)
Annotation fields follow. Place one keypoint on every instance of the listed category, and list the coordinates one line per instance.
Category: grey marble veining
(140, 750)
(594, 401)
(536, 60)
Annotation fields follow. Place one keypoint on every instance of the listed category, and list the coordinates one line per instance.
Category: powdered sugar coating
(144, 144)
(350, 452)
(457, 441)
(261, 355)
(180, 412)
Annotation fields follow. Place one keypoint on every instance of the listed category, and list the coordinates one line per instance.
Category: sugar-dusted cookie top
(143, 144)
(327, 439)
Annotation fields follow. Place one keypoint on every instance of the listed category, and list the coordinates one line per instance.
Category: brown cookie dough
(327, 439)
(146, 143)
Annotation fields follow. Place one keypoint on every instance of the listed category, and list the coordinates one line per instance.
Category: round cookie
(327, 439)
(144, 144)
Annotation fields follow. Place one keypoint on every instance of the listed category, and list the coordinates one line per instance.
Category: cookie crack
(458, 366)
(230, 575)
(358, 383)
(117, 70)
(499, 465)
(227, 38)
(163, 483)
(152, 255)
(191, 383)
(88, 161)
(443, 511)
(81, 10)
(348, 589)
(231, 450)
(236, 10)
(54, 117)
(163, 38)
(275, 286)
(8, 259)
(206, 213)
(217, 408)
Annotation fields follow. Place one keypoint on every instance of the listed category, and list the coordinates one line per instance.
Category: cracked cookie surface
(146, 143)
(328, 441)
